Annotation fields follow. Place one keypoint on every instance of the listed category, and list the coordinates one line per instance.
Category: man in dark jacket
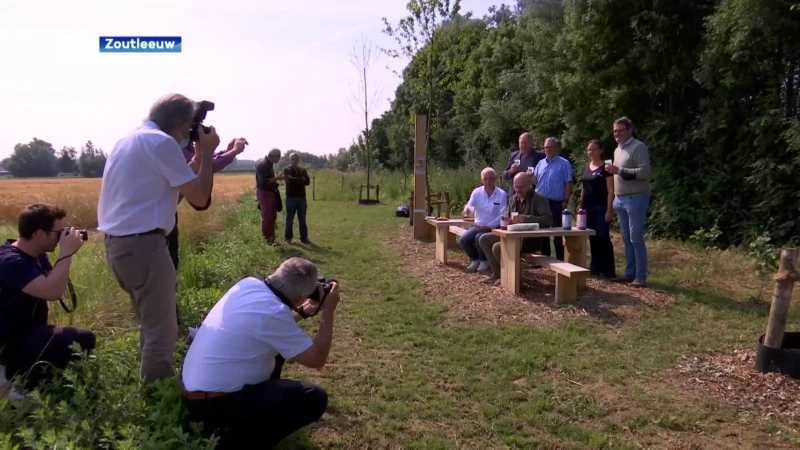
(296, 181)
(267, 193)
(531, 207)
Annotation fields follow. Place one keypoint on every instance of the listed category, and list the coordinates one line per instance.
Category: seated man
(487, 201)
(28, 345)
(231, 375)
(531, 207)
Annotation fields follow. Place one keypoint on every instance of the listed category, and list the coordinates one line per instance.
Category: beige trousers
(490, 244)
(143, 268)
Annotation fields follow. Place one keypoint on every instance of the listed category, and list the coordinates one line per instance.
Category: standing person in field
(528, 157)
(267, 193)
(631, 171)
(554, 181)
(296, 179)
(597, 199)
(144, 174)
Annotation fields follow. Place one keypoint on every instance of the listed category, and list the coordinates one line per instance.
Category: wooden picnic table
(442, 228)
(575, 246)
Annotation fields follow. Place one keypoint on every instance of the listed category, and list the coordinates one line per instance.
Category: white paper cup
(514, 214)
(517, 161)
(609, 162)
(530, 170)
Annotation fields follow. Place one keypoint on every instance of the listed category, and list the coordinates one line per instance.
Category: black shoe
(288, 241)
(305, 241)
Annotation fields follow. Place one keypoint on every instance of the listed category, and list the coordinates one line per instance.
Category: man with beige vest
(531, 207)
(631, 171)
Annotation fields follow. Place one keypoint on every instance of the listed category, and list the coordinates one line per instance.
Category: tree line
(38, 158)
(711, 86)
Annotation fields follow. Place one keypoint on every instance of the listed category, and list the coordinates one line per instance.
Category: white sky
(276, 70)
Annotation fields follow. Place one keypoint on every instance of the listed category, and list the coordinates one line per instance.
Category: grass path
(402, 374)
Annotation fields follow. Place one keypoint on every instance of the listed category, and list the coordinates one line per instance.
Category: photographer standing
(267, 193)
(144, 174)
(232, 372)
(28, 344)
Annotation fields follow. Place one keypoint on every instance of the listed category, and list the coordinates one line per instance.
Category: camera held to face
(202, 108)
(326, 288)
(84, 235)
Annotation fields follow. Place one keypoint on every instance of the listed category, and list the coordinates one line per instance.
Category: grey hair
(296, 278)
(488, 170)
(292, 154)
(274, 151)
(555, 140)
(624, 121)
(171, 111)
(526, 134)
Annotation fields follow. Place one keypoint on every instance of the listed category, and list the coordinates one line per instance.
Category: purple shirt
(220, 161)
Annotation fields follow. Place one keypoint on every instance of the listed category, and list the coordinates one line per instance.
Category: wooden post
(782, 297)
(314, 188)
(342, 183)
(420, 172)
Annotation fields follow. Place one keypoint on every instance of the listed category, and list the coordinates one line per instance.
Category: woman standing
(597, 198)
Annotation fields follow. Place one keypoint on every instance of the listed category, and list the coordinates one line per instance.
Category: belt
(200, 395)
(146, 233)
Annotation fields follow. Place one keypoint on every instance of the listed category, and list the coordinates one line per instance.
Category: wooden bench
(568, 276)
(447, 233)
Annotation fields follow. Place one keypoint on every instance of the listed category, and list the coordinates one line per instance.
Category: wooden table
(575, 246)
(442, 231)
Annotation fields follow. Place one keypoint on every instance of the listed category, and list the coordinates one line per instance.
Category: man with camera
(28, 282)
(232, 372)
(143, 177)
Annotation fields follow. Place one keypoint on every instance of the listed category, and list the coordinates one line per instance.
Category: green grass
(402, 372)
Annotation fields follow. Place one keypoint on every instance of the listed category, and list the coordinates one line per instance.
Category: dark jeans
(470, 242)
(296, 205)
(32, 354)
(558, 241)
(260, 415)
(172, 245)
(600, 245)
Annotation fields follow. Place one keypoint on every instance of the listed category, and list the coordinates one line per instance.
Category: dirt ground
(475, 297)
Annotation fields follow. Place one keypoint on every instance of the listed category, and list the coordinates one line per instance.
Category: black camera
(202, 108)
(84, 235)
(326, 288)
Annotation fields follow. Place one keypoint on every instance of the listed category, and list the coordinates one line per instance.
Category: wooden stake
(420, 171)
(782, 297)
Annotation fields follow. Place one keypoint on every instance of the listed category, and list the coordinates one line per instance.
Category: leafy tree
(67, 160)
(34, 159)
(92, 161)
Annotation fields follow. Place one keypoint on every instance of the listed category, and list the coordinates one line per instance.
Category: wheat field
(78, 196)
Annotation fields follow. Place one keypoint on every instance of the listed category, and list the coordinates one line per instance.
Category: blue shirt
(20, 312)
(552, 177)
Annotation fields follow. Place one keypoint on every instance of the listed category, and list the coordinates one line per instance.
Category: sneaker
(639, 283)
(473, 266)
(484, 266)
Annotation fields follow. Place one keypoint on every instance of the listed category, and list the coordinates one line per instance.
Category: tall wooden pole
(782, 297)
(420, 178)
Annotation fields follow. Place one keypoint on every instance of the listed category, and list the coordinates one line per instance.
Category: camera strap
(72, 297)
(285, 300)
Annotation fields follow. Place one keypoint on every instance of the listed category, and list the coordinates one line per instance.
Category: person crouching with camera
(28, 282)
(231, 376)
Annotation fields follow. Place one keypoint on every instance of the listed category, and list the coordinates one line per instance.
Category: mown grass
(402, 374)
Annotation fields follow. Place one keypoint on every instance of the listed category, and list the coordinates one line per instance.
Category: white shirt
(139, 191)
(239, 339)
(487, 209)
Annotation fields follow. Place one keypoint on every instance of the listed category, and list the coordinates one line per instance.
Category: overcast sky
(277, 71)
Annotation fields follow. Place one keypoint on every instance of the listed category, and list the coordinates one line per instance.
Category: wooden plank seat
(568, 276)
(458, 231)
(447, 233)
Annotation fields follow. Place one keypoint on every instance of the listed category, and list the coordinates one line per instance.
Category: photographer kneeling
(231, 375)
(28, 344)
